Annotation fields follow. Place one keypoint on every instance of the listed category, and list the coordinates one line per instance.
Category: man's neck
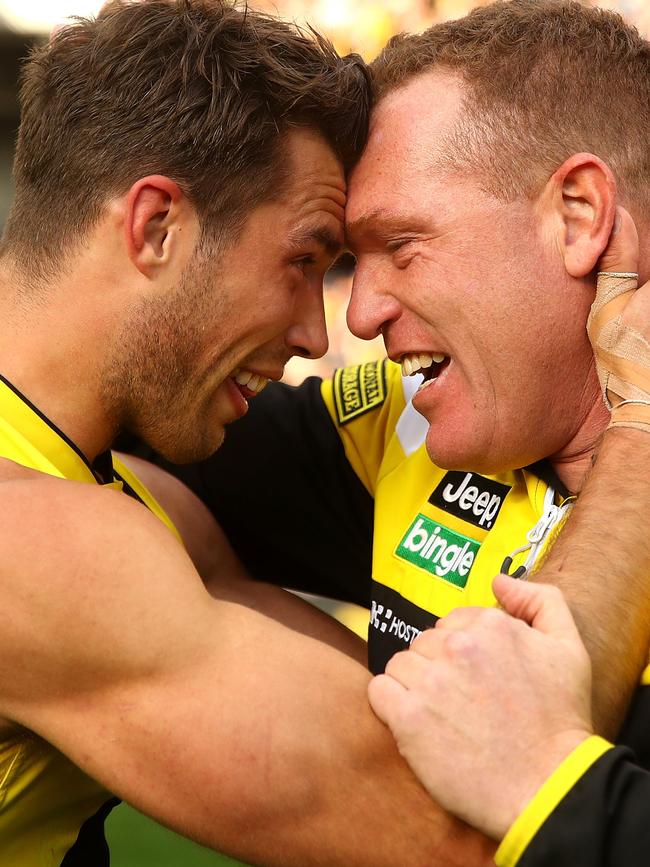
(574, 461)
(50, 350)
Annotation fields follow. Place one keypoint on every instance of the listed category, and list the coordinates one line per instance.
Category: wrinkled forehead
(408, 128)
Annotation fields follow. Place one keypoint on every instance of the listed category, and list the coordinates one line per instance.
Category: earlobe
(154, 210)
(584, 199)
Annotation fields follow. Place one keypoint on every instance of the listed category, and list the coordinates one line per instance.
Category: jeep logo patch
(438, 550)
(470, 497)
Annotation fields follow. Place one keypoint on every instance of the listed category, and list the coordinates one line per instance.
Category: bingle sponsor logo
(438, 550)
(471, 497)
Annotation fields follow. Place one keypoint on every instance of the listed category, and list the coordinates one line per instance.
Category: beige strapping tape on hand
(622, 353)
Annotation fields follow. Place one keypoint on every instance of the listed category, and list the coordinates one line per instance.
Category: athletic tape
(622, 353)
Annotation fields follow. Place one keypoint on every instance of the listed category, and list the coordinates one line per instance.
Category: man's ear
(158, 217)
(582, 197)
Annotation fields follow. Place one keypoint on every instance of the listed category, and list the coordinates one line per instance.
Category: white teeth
(243, 377)
(418, 361)
(410, 364)
(426, 384)
(252, 381)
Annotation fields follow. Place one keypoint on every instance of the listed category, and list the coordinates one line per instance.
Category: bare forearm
(345, 798)
(282, 763)
(342, 794)
(601, 562)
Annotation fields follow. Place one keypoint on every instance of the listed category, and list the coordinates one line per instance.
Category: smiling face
(445, 270)
(186, 363)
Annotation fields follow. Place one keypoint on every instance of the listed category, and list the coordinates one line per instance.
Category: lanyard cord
(536, 537)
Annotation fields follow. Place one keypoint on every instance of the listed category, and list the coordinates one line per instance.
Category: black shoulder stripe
(90, 847)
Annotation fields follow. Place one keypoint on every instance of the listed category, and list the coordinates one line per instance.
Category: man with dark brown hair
(179, 195)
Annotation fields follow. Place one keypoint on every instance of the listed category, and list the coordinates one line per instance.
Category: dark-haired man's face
(187, 363)
(446, 271)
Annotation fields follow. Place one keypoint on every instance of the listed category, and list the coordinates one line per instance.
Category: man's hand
(619, 329)
(485, 706)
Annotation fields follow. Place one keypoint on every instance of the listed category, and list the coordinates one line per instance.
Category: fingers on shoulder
(406, 711)
(387, 697)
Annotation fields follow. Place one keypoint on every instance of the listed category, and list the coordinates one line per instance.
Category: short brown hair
(202, 91)
(544, 79)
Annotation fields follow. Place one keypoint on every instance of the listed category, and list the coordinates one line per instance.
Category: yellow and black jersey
(51, 813)
(333, 482)
(595, 808)
(439, 536)
(335, 478)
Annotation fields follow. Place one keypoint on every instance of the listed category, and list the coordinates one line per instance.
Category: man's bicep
(271, 756)
(223, 573)
(215, 718)
(288, 499)
(212, 739)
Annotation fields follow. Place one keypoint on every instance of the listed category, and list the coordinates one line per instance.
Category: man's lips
(434, 374)
(237, 397)
(245, 384)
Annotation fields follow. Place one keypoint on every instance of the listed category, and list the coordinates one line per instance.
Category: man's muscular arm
(601, 560)
(215, 561)
(210, 716)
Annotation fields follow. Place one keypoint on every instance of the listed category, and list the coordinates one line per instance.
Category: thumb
(622, 250)
(621, 256)
(542, 606)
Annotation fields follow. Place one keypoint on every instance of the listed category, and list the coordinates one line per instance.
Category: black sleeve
(287, 497)
(604, 821)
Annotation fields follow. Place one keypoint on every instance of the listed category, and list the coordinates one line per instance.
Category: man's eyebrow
(331, 242)
(378, 223)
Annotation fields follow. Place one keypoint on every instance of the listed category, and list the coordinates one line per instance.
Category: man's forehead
(407, 129)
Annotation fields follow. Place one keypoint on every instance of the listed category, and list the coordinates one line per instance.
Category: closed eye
(397, 244)
(304, 262)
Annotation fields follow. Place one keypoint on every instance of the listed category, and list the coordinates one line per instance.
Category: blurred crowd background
(362, 26)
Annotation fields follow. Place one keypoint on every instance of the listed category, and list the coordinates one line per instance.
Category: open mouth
(249, 384)
(429, 364)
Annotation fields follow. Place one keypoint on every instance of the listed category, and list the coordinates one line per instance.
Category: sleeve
(282, 488)
(364, 402)
(594, 810)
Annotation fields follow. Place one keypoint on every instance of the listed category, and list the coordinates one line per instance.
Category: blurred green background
(136, 841)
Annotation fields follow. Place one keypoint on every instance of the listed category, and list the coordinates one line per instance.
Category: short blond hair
(544, 79)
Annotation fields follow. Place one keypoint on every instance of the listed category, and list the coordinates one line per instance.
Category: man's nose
(371, 306)
(307, 335)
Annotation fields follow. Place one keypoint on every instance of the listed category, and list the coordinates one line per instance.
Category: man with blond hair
(500, 145)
